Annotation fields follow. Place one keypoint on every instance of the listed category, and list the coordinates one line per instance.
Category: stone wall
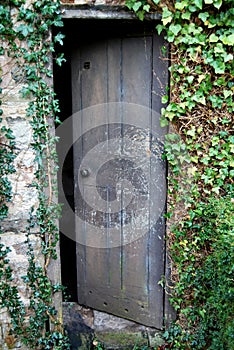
(24, 196)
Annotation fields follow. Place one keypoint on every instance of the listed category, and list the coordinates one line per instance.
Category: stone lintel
(103, 12)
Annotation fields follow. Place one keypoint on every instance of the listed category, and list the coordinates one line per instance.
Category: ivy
(200, 156)
(26, 39)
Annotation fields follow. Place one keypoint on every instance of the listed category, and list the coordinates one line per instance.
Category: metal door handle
(84, 172)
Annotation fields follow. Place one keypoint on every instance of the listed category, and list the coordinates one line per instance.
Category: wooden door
(118, 79)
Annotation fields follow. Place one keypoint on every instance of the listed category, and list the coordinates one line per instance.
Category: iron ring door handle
(84, 172)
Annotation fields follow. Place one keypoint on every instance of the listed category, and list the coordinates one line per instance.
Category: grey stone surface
(85, 325)
(78, 323)
(106, 322)
(24, 196)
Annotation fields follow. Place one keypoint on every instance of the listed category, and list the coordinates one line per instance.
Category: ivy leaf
(203, 16)
(199, 99)
(180, 5)
(227, 93)
(159, 28)
(186, 15)
(201, 77)
(190, 79)
(60, 59)
(208, 1)
(170, 37)
(228, 57)
(192, 170)
(175, 28)
(165, 99)
(170, 115)
(192, 131)
(163, 122)
(136, 6)
(213, 38)
(219, 48)
(24, 29)
(166, 16)
(218, 3)
(228, 40)
(198, 3)
(59, 38)
(219, 67)
(146, 8)
(141, 15)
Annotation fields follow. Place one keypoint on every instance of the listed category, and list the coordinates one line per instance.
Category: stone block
(78, 323)
(106, 322)
(122, 340)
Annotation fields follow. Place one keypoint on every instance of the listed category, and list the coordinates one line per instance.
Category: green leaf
(192, 8)
(227, 93)
(166, 16)
(186, 15)
(199, 99)
(170, 37)
(170, 115)
(163, 122)
(146, 8)
(192, 132)
(159, 28)
(60, 59)
(203, 16)
(208, 1)
(213, 38)
(166, 20)
(228, 40)
(218, 4)
(165, 99)
(24, 29)
(136, 6)
(190, 79)
(198, 3)
(59, 38)
(141, 15)
(228, 57)
(180, 5)
(175, 28)
(219, 67)
(219, 48)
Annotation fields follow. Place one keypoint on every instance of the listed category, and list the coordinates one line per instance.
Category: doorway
(113, 176)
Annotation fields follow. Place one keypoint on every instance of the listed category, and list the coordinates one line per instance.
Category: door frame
(121, 13)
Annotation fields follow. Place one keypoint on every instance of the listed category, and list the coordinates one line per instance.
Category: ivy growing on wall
(201, 157)
(26, 39)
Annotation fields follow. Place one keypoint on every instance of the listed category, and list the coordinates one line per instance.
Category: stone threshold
(84, 325)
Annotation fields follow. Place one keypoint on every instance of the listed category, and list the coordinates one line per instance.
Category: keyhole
(86, 65)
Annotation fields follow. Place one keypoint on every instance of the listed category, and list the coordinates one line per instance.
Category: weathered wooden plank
(136, 88)
(92, 91)
(136, 70)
